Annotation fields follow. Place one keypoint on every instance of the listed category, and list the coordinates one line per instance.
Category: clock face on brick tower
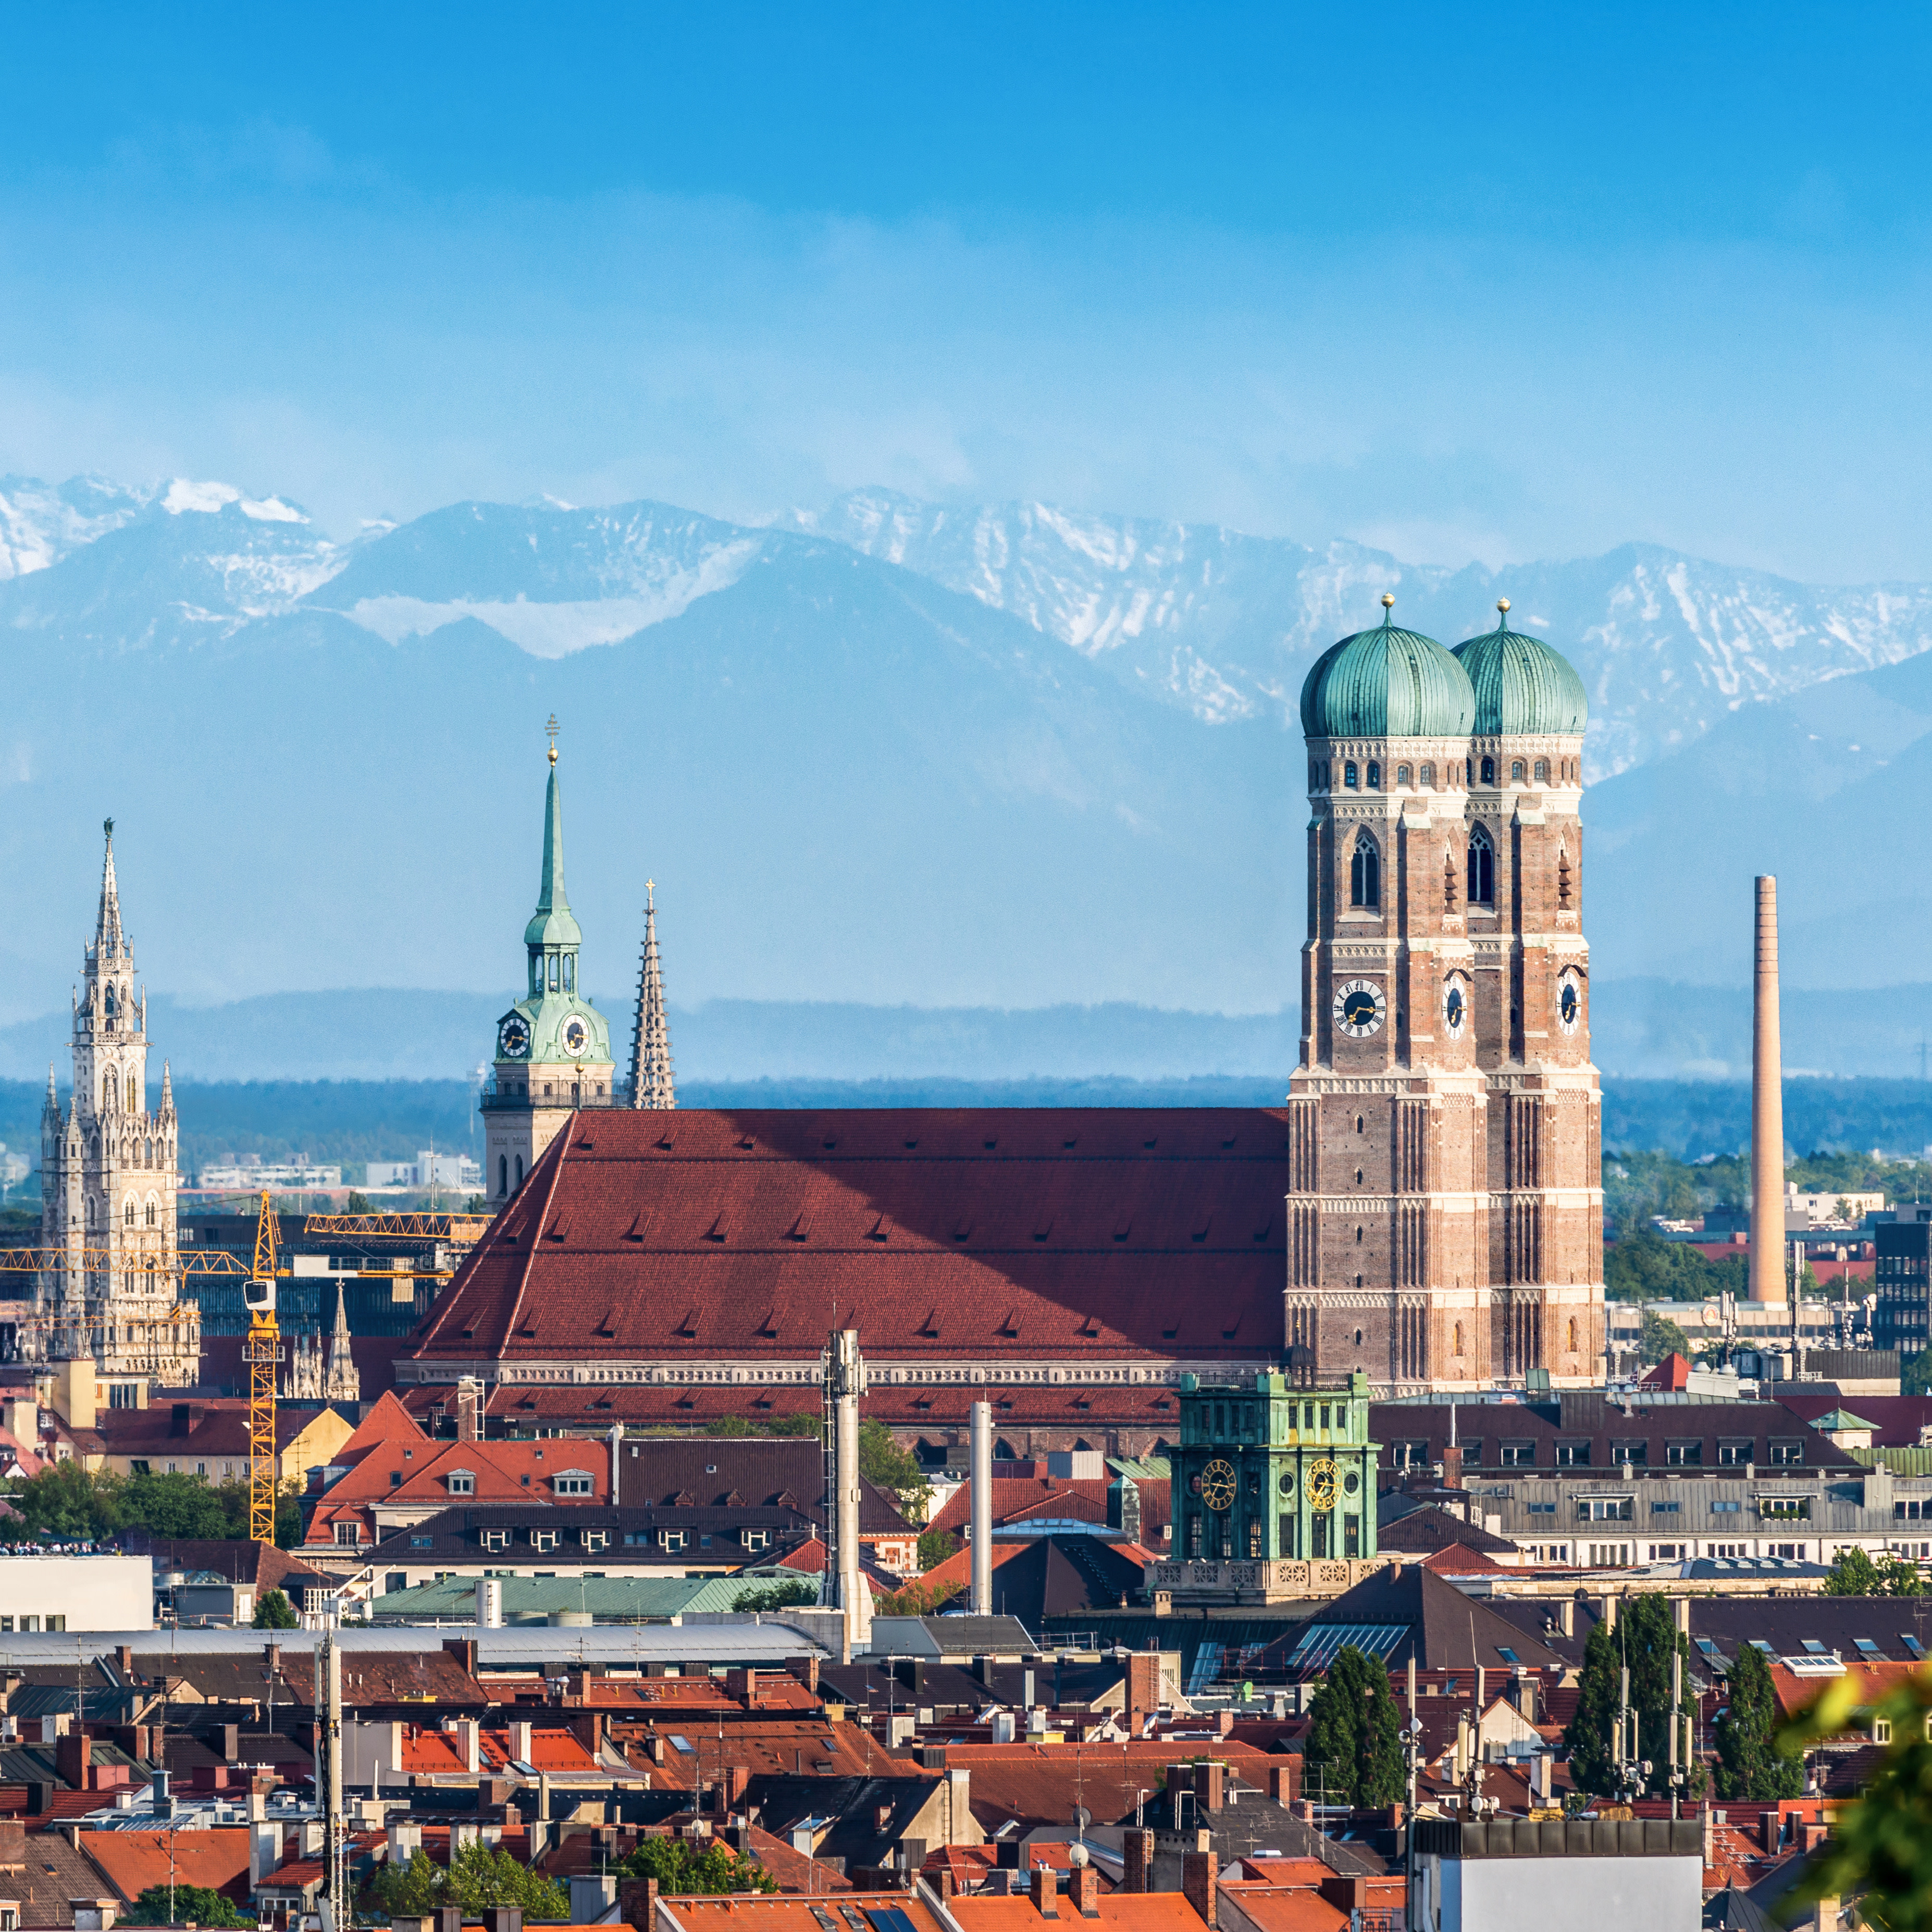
(1359, 1007)
(1569, 1003)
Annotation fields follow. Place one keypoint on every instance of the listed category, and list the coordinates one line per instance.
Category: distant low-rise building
(250, 1174)
(49, 1590)
(458, 1172)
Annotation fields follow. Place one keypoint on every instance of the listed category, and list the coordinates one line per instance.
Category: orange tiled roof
(130, 1861)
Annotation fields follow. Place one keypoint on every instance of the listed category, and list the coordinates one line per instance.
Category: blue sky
(1504, 282)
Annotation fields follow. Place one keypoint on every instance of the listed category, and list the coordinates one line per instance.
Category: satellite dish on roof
(1082, 1817)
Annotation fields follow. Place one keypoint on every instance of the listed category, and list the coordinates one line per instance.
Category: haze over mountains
(887, 754)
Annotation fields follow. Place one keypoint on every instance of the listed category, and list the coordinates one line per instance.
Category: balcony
(574, 1094)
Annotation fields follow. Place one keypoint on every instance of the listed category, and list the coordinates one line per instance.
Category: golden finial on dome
(1388, 600)
(1502, 604)
(551, 729)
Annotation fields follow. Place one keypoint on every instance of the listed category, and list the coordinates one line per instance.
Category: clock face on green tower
(513, 1037)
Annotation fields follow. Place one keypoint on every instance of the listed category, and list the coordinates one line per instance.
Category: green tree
(1853, 1574)
(477, 1877)
(1643, 1639)
(273, 1611)
(780, 1595)
(177, 1905)
(1659, 1337)
(682, 1869)
(1749, 1763)
(1353, 1749)
(1916, 1378)
(174, 1506)
(935, 1546)
(883, 1463)
(916, 1599)
(358, 1203)
(65, 1502)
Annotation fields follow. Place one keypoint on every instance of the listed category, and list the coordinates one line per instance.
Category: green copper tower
(553, 1046)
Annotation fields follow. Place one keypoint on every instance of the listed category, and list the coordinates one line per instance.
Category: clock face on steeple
(576, 1035)
(513, 1037)
(1359, 1007)
(1569, 1003)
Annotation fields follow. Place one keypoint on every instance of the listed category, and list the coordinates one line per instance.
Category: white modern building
(55, 1590)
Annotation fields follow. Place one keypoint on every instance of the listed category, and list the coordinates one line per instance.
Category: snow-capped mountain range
(888, 751)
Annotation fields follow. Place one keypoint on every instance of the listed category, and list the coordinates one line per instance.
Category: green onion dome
(1386, 683)
(1523, 686)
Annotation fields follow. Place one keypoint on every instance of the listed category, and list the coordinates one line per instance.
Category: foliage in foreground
(273, 1611)
(1880, 1849)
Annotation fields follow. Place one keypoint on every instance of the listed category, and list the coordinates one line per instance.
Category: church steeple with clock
(553, 1046)
(1444, 1211)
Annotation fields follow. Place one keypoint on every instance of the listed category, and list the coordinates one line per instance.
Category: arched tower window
(1543, 771)
(1365, 873)
(1489, 771)
(1375, 775)
(519, 1170)
(110, 1006)
(1429, 775)
(152, 1212)
(1515, 771)
(502, 1174)
(1562, 879)
(1348, 775)
(552, 972)
(134, 1094)
(1458, 1338)
(570, 972)
(1448, 882)
(1572, 1336)
(1401, 777)
(1482, 868)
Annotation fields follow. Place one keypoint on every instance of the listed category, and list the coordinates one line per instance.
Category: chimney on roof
(1046, 1891)
(469, 1409)
(1198, 1875)
(1138, 1851)
(981, 1535)
(1083, 1884)
(1767, 1165)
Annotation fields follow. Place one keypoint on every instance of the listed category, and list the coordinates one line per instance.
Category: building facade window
(1365, 884)
(1482, 868)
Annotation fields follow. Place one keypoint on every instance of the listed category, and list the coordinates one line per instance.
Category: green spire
(551, 924)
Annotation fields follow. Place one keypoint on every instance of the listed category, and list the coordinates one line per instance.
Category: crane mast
(263, 1355)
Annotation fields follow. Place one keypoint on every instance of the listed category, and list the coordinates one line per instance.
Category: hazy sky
(1501, 283)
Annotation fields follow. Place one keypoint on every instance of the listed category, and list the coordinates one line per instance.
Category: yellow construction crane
(263, 1355)
(456, 1230)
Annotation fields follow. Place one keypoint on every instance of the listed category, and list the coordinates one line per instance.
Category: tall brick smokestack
(1767, 1229)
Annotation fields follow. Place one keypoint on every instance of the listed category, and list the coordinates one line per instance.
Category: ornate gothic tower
(1532, 1007)
(553, 1046)
(108, 1177)
(1443, 1194)
(650, 1032)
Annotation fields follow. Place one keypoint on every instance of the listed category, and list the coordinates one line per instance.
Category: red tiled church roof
(1000, 1234)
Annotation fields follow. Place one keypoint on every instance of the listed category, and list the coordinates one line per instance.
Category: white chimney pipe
(983, 1509)
(1767, 1165)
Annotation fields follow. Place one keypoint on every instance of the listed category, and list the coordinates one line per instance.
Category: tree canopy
(1749, 1763)
(477, 1877)
(1854, 1574)
(66, 1503)
(1643, 1637)
(273, 1611)
(681, 1869)
(199, 1904)
(782, 1594)
(1353, 1748)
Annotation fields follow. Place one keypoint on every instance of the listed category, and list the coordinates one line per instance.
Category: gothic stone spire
(650, 1033)
(107, 939)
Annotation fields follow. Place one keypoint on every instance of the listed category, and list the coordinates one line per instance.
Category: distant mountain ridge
(889, 755)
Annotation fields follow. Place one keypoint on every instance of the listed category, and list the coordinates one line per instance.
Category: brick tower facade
(1443, 1216)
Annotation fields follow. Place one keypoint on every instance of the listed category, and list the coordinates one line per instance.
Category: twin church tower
(1444, 1199)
